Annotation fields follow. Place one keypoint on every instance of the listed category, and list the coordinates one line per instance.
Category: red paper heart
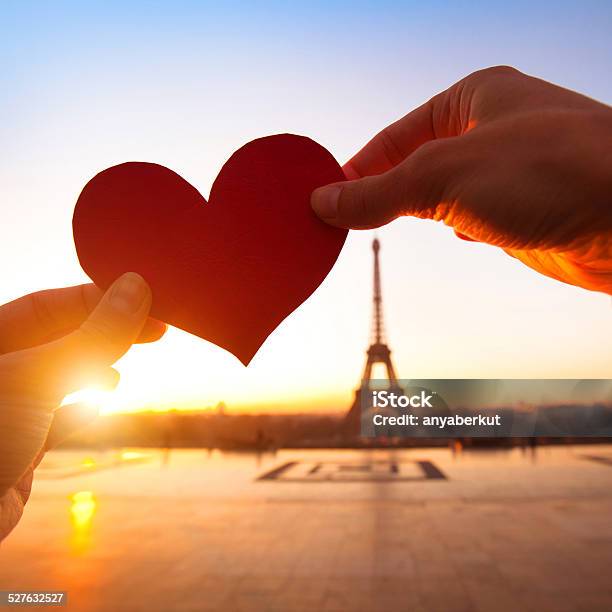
(228, 271)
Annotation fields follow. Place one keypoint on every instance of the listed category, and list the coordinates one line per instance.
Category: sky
(84, 86)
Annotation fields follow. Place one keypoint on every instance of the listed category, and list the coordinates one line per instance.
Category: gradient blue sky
(87, 85)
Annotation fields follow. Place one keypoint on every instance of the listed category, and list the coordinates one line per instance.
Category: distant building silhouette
(377, 353)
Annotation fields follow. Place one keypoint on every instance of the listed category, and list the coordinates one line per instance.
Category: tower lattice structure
(378, 352)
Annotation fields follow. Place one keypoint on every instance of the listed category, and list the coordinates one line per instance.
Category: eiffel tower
(378, 353)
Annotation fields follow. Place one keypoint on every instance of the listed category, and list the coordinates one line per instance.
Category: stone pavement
(319, 530)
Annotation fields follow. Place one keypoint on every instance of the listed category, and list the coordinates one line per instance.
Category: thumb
(79, 358)
(413, 187)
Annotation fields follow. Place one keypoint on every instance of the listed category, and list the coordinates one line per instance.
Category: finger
(152, 331)
(394, 144)
(103, 379)
(446, 115)
(23, 487)
(73, 361)
(68, 420)
(40, 317)
(109, 379)
(44, 316)
(464, 237)
(420, 186)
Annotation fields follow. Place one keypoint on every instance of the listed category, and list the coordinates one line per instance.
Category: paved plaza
(147, 530)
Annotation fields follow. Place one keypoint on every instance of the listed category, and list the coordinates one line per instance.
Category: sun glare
(105, 401)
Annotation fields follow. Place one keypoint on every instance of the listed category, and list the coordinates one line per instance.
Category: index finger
(66, 421)
(43, 316)
(393, 144)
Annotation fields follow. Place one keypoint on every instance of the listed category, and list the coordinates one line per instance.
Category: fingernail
(325, 201)
(129, 292)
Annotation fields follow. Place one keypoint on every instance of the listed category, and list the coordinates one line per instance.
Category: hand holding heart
(52, 343)
(503, 158)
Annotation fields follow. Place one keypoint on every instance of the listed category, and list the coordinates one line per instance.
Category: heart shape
(229, 270)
